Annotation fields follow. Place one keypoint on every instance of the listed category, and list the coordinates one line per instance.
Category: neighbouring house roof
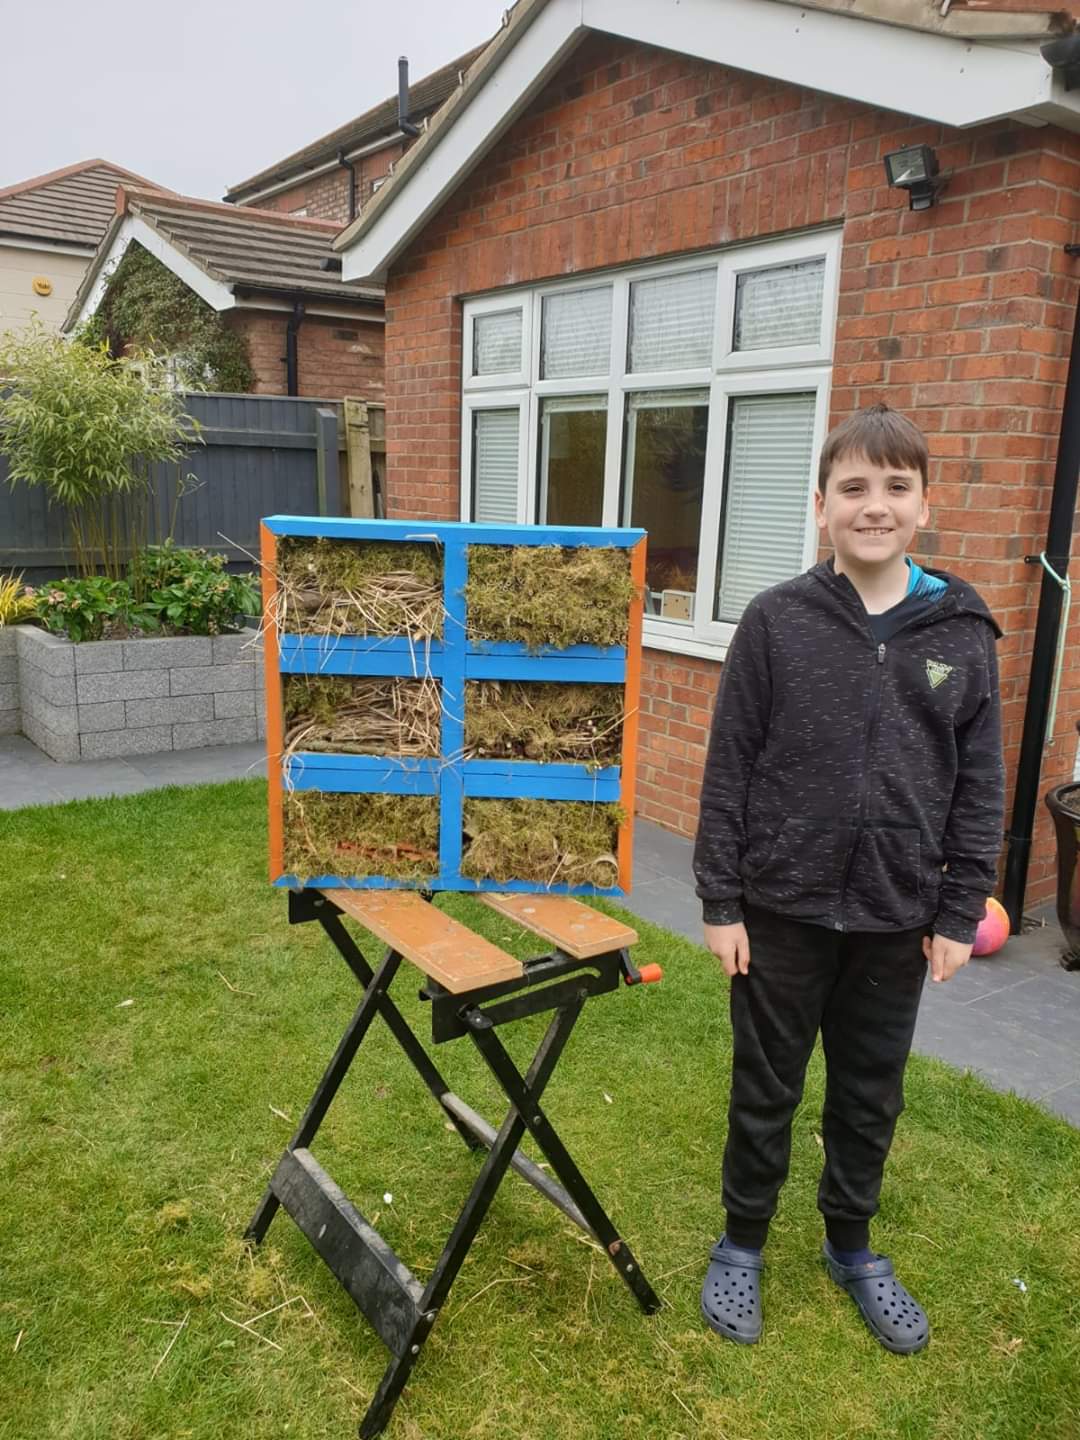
(425, 97)
(961, 68)
(229, 256)
(72, 206)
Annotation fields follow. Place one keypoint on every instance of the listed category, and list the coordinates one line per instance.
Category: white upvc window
(689, 398)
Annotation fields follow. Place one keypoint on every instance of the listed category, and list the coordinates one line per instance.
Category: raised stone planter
(9, 683)
(108, 698)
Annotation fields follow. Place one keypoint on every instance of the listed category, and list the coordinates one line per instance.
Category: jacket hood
(959, 599)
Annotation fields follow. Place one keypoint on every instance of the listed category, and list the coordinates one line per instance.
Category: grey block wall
(110, 698)
(9, 683)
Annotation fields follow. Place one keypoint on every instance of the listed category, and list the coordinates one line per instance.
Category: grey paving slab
(17, 794)
(1006, 1055)
(662, 851)
(1065, 1101)
(196, 767)
(29, 777)
(669, 903)
(101, 778)
(19, 753)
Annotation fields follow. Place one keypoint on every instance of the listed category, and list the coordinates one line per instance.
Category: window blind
(765, 496)
(779, 306)
(671, 321)
(497, 343)
(575, 334)
(495, 465)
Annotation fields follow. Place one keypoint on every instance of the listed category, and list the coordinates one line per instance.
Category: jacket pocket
(885, 885)
(799, 871)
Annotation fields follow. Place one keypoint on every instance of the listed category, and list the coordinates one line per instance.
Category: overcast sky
(198, 95)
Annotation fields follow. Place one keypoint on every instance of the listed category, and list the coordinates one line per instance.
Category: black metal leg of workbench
(328, 1086)
(399, 1026)
(525, 1096)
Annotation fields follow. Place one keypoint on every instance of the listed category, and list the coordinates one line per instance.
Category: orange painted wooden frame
(631, 705)
(275, 717)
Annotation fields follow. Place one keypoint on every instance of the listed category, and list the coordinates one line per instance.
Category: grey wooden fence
(259, 455)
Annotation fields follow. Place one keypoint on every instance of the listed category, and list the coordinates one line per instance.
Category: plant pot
(1063, 802)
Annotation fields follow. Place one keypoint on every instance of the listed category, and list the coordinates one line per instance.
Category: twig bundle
(543, 721)
(362, 715)
(338, 587)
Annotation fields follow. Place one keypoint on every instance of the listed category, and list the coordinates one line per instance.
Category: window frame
(491, 400)
(731, 373)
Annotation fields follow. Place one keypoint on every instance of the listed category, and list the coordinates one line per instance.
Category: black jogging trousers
(861, 990)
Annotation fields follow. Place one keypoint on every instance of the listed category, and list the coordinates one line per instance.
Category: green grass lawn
(162, 1029)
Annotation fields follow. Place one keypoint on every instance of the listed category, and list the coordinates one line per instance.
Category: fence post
(327, 482)
(358, 441)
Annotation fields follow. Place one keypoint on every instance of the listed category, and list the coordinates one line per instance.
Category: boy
(851, 818)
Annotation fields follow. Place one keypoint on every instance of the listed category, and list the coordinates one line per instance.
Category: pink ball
(993, 929)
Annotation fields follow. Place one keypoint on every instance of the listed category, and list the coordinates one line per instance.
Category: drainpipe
(292, 367)
(1044, 655)
(352, 182)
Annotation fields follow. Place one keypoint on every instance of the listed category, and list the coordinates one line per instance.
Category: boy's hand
(731, 946)
(944, 956)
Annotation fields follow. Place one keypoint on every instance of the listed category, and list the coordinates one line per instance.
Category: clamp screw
(415, 1350)
(629, 1269)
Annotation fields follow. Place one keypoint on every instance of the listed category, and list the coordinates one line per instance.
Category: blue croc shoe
(731, 1295)
(896, 1320)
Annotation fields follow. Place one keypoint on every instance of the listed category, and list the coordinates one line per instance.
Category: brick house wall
(336, 357)
(326, 197)
(961, 316)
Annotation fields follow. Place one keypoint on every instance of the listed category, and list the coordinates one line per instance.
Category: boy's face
(870, 512)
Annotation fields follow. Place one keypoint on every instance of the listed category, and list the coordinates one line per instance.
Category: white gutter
(54, 247)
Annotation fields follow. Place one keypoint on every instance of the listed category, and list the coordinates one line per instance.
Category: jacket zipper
(864, 789)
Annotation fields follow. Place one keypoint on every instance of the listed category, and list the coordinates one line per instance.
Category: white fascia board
(501, 97)
(935, 77)
(219, 296)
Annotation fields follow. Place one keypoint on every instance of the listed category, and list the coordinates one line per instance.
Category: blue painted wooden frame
(453, 660)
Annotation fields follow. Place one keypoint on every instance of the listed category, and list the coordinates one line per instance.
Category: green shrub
(81, 609)
(87, 428)
(190, 589)
(17, 601)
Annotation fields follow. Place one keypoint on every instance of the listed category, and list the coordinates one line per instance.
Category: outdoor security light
(914, 169)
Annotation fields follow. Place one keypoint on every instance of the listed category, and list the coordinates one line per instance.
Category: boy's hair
(882, 436)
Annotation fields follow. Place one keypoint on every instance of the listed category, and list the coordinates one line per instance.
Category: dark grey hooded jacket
(848, 784)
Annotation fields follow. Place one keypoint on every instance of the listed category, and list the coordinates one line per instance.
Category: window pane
(573, 437)
(495, 465)
(575, 337)
(497, 343)
(766, 490)
(779, 306)
(664, 474)
(671, 321)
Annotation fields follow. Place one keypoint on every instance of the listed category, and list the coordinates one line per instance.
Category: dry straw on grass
(358, 587)
(550, 842)
(546, 595)
(530, 720)
(362, 715)
(355, 836)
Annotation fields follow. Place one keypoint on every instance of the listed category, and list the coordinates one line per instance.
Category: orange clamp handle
(650, 973)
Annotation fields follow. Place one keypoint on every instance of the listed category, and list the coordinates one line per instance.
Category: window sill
(677, 645)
